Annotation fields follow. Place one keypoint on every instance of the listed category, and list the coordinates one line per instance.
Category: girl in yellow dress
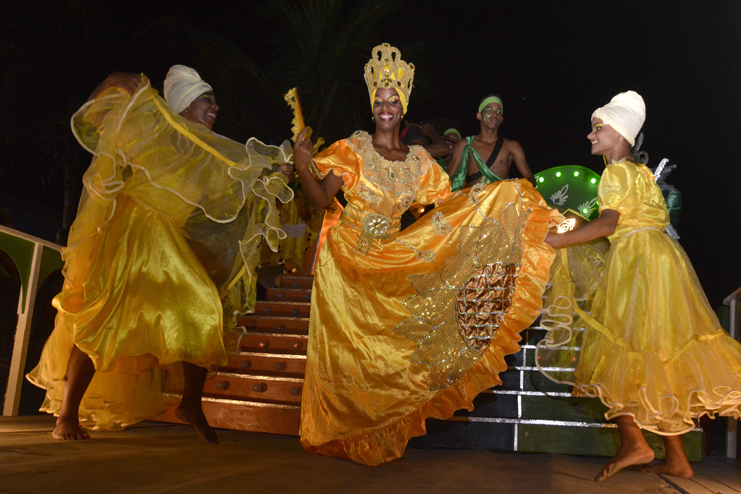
(162, 251)
(413, 324)
(653, 350)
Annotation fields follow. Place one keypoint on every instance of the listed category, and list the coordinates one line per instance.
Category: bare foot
(69, 430)
(626, 457)
(680, 469)
(196, 418)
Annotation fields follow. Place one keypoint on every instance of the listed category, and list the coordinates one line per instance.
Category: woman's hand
(287, 170)
(303, 150)
(123, 80)
(320, 192)
(604, 225)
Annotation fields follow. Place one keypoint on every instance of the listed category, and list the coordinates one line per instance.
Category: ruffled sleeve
(89, 122)
(435, 186)
(217, 191)
(342, 160)
(618, 189)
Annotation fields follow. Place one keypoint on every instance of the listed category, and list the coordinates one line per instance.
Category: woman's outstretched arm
(604, 225)
(320, 193)
(127, 82)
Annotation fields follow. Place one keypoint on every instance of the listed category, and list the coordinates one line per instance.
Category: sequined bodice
(386, 187)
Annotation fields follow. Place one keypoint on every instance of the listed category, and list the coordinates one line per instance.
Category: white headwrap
(625, 113)
(182, 86)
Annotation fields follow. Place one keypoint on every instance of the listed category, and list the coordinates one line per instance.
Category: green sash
(459, 179)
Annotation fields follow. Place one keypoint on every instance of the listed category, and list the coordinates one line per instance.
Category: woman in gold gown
(652, 350)
(414, 324)
(160, 257)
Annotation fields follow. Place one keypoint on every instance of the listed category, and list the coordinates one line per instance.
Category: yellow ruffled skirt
(394, 335)
(147, 302)
(651, 347)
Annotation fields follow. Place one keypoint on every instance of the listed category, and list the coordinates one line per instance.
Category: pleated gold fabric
(652, 347)
(161, 255)
(380, 296)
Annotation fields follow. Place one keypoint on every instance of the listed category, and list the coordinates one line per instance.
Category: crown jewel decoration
(386, 69)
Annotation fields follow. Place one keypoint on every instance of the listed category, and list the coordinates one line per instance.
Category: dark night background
(553, 62)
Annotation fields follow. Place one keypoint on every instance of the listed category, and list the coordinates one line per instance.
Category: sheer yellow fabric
(302, 224)
(299, 220)
(364, 397)
(652, 347)
(163, 249)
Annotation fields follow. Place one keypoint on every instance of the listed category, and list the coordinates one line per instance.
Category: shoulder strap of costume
(485, 168)
(458, 180)
(495, 152)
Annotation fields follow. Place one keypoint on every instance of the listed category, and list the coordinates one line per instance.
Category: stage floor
(154, 457)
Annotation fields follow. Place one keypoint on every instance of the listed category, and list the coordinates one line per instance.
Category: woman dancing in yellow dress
(652, 350)
(414, 324)
(163, 249)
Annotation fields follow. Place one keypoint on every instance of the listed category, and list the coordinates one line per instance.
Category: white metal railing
(732, 431)
(35, 258)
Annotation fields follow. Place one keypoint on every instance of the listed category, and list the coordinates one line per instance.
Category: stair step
(280, 390)
(600, 440)
(273, 389)
(293, 344)
(278, 308)
(535, 405)
(276, 324)
(288, 294)
(295, 281)
(267, 363)
(542, 436)
(244, 415)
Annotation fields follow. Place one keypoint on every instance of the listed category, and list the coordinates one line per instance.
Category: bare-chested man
(487, 157)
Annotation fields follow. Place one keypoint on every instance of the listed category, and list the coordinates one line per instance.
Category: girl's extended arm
(601, 227)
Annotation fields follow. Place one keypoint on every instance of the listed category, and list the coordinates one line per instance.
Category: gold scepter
(297, 124)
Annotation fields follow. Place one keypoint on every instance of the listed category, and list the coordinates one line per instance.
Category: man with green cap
(487, 157)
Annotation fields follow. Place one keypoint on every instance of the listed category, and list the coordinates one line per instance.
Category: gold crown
(386, 69)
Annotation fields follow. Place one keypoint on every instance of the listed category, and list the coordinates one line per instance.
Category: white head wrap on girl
(625, 113)
(182, 86)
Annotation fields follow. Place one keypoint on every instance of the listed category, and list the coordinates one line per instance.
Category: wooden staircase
(261, 390)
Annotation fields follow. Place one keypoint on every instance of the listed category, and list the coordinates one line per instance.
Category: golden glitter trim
(372, 226)
(426, 255)
(441, 226)
(458, 310)
(475, 191)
